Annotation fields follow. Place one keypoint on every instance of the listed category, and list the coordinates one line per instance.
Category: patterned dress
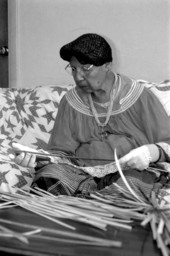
(137, 118)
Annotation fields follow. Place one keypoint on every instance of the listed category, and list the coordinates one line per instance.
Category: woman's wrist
(155, 153)
(160, 153)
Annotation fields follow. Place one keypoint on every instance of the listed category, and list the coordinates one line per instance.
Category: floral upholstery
(27, 117)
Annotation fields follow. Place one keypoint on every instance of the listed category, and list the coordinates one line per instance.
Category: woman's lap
(65, 179)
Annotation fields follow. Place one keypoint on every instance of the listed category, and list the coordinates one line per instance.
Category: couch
(27, 116)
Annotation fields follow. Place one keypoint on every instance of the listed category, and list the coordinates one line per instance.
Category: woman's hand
(26, 160)
(141, 157)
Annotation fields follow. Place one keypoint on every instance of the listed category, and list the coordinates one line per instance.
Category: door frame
(13, 43)
(4, 44)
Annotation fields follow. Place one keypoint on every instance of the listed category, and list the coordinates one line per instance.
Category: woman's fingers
(26, 160)
(124, 160)
(136, 159)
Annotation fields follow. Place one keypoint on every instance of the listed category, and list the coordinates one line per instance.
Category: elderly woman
(104, 112)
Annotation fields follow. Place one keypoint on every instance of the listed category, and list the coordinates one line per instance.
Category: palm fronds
(100, 210)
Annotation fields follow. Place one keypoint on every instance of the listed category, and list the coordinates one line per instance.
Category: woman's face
(87, 77)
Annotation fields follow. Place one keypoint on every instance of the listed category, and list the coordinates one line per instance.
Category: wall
(137, 29)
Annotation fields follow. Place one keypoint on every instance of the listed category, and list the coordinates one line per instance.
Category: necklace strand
(103, 105)
(94, 111)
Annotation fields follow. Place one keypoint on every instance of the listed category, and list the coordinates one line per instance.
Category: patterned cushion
(27, 117)
(161, 91)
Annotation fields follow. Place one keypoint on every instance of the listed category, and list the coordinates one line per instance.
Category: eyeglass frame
(82, 69)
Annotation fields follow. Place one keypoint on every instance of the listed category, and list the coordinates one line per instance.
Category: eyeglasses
(86, 69)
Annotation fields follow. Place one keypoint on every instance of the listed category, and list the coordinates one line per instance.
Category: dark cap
(88, 49)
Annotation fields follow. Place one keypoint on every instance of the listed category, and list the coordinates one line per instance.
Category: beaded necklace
(103, 105)
(94, 111)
